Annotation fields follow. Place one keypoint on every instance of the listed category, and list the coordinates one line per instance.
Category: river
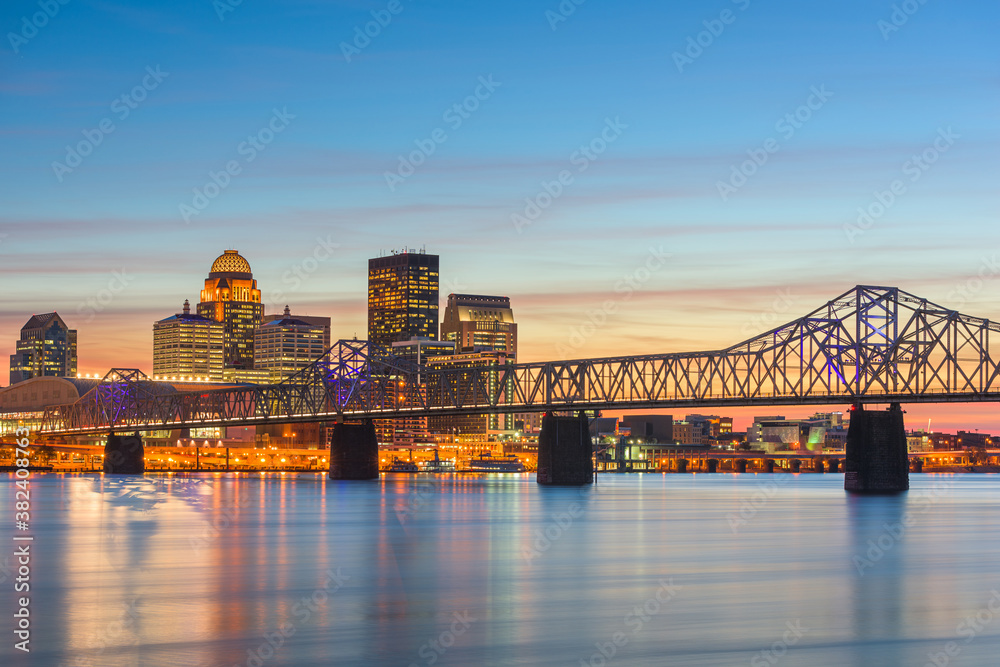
(641, 569)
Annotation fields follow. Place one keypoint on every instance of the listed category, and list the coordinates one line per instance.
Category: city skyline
(658, 211)
(948, 417)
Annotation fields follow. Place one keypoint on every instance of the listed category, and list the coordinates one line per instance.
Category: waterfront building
(818, 432)
(650, 428)
(283, 346)
(188, 344)
(230, 296)
(402, 297)
(46, 348)
(476, 322)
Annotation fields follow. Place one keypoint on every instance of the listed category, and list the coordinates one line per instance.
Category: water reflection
(877, 573)
(274, 569)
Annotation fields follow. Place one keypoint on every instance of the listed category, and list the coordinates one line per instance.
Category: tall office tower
(471, 428)
(476, 323)
(402, 297)
(47, 348)
(231, 297)
(287, 345)
(187, 344)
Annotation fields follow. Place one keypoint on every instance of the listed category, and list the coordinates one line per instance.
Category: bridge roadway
(868, 345)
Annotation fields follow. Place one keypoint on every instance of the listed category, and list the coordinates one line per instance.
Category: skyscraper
(47, 348)
(231, 297)
(286, 345)
(402, 297)
(187, 344)
(477, 323)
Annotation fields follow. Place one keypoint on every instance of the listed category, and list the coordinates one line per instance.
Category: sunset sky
(701, 166)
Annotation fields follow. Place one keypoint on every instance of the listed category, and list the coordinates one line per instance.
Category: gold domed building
(231, 296)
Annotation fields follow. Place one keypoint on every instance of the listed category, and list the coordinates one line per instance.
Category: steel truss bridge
(870, 344)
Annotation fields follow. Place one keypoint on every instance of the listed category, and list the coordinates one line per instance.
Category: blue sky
(779, 238)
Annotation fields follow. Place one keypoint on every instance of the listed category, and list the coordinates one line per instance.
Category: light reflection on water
(495, 570)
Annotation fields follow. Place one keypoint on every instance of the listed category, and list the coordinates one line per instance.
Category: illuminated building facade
(412, 430)
(47, 348)
(476, 323)
(402, 297)
(472, 428)
(286, 345)
(231, 297)
(187, 344)
(323, 322)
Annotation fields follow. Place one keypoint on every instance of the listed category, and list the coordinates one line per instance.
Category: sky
(638, 177)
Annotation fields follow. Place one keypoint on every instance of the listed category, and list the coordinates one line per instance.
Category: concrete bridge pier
(565, 452)
(354, 451)
(876, 452)
(124, 455)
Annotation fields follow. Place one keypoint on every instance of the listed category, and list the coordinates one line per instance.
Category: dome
(230, 262)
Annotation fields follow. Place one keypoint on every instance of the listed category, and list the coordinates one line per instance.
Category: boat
(402, 466)
(437, 465)
(489, 463)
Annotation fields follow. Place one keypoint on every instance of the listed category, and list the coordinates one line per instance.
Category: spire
(187, 307)
(288, 313)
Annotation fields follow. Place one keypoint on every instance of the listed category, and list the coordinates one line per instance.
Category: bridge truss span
(869, 344)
